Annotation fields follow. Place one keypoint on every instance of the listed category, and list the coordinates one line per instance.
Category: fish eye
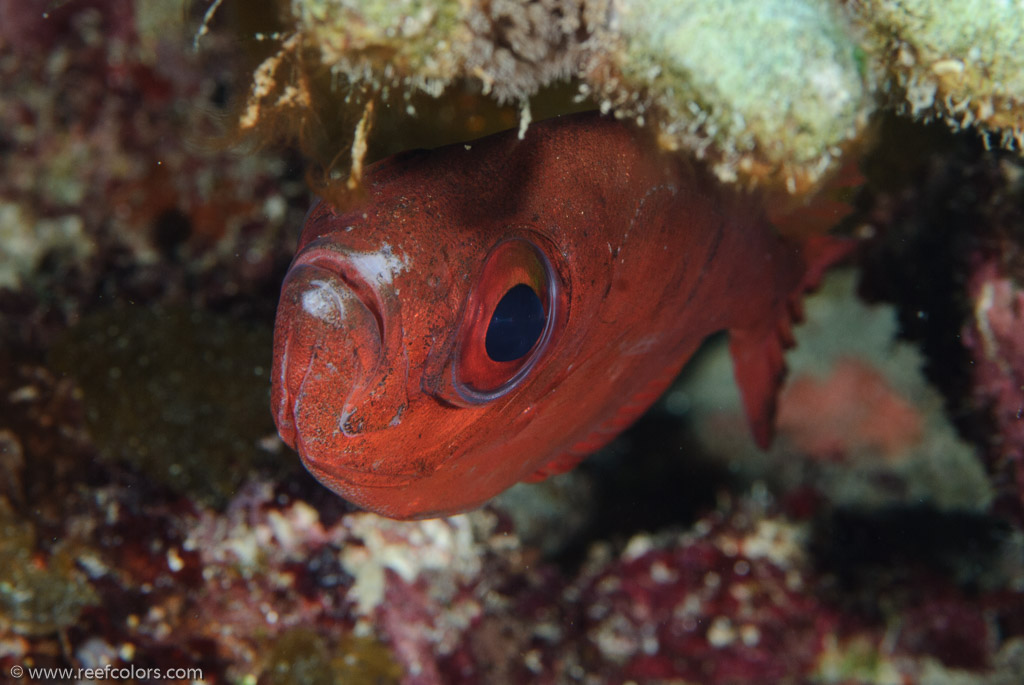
(508, 322)
(516, 324)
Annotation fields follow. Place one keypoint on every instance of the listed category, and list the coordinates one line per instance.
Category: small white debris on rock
(721, 633)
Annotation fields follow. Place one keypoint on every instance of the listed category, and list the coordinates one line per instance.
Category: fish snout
(327, 346)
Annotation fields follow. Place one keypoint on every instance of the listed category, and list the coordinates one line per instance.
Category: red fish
(493, 312)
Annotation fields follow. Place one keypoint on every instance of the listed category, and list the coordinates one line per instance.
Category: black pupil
(517, 322)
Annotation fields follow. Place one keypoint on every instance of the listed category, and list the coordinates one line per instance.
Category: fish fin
(759, 368)
(759, 364)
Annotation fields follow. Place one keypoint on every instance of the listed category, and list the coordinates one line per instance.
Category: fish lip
(284, 412)
(320, 254)
(325, 255)
(349, 482)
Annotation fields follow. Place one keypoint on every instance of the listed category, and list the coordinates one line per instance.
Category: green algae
(179, 394)
(37, 597)
(769, 90)
(962, 61)
(858, 659)
(779, 78)
(302, 657)
(411, 36)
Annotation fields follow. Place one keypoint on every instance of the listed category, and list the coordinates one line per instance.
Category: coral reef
(856, 417)
(730, 83)
(270, 591)
(137, 256)
(960, 63)
(771, 92)
(995, 337)
(947, 227)
(37, 596)
(203, 431)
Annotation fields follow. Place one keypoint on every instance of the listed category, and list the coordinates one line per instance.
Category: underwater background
(156, 162)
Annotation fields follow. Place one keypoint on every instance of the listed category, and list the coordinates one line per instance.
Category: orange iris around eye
(508, 322)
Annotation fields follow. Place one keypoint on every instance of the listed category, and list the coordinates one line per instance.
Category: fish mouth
(330, 398)
(328, 342)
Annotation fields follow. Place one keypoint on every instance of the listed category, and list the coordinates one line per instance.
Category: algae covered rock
(769, 88)
(301, 656)
(773, 92)
(857, 419)
(180, 395)
(37, 596)
(962, 62)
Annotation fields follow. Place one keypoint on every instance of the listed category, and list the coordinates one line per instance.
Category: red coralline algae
(853, 408)
(729, 605)
(995, 337)
(952, 630)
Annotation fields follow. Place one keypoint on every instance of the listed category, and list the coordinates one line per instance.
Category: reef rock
(770, 91)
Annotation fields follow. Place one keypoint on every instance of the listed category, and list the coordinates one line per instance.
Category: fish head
(403, 351)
